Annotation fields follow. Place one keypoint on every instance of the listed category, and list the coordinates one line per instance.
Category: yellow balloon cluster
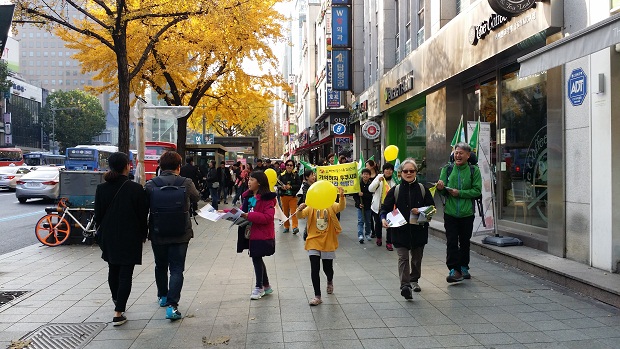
(321, 195)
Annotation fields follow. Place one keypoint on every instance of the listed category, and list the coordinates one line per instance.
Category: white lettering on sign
(577, 86)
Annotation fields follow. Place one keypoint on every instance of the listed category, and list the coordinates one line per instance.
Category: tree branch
(89, 15)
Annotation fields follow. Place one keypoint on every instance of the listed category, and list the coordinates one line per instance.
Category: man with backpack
(459, 183)
(170, 229)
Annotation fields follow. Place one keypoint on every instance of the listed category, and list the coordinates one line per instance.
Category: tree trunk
(123, 90)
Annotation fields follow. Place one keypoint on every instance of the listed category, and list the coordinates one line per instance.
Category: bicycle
(54, 229)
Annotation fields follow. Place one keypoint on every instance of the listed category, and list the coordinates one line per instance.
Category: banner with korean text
(342, 175)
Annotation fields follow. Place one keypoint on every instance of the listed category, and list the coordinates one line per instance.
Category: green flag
(371, 158)
(459, 135)
(307, 166)
(473, 140)
(360, 165)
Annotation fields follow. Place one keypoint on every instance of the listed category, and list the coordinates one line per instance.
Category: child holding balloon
(323, 229)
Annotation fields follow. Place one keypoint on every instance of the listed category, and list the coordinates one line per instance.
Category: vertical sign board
(341, 26)
(484, 163)
(341, 70)
(329, 72)
(577, 87)
(333, 98)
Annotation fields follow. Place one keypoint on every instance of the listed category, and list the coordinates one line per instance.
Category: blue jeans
(170, 256)
(215, 196)
(364, 216)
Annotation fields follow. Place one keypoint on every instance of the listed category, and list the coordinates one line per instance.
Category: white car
(9, 175)
(44, 182)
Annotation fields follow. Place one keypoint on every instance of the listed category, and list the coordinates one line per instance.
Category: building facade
(547, 142)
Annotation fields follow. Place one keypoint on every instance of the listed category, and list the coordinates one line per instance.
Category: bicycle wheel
(52, 230)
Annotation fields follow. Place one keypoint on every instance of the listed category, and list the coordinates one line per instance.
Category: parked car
(9, 175)
(40, 183)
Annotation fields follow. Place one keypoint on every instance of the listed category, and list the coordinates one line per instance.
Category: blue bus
(89, 157)
(38, 158)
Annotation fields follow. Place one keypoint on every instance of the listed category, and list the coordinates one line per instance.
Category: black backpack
(168, 216)
(477, 201)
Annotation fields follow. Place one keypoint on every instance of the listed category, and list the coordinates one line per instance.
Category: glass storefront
(518, 141)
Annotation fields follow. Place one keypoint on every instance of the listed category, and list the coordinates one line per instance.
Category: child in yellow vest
(322, 242)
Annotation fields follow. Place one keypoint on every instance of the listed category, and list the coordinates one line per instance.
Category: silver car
(9, 175)
(40, 183)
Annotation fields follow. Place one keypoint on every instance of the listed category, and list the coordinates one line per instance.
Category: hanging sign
(371, 130)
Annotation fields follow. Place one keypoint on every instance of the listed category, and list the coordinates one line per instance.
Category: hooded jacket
(461, 179)
(376, 187)
(326, 239)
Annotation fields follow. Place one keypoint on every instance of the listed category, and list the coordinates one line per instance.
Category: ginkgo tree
(120, 36)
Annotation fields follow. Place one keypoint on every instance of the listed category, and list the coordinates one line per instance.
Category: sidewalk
(500, 307)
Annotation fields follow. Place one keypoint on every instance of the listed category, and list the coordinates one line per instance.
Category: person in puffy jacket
(459, 191)
(259, 204)
(288, 186)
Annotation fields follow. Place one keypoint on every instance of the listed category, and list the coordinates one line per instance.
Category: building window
(31, 54)
(45, 63)
(53, 82)
(59, 82)
(60, 54)
(67, 63)
(24, 54)
(420, 35)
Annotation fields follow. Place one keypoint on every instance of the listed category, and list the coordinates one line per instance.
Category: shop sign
(511, 8)
(371, 130)
(410, 130)
(303, 138)
(329, 73)
(292, 128)
(341, 70)
(479, 32)
(285, 129)
(341, 26)
(403, 85)
(333, 98)
(577, 87)
(339, 118)
(339, 129)
(341, 2)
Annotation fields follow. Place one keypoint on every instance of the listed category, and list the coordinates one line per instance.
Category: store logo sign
(403, 85)
(371, 130)
(577, 87)
(479, 32)
(511, 8)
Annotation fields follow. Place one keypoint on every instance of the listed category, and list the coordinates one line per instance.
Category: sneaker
(315, 301)
(379, 243)
(162, 301)
(454, 276)
(465, 273)
(285, 230)
(405, 291)
(257, 293)
(361, 240)
(268, 290)
(305, 235)
(119, 320)
(373, 236)
(389, 247)
(172, 313)
(295, 230)
(368, 237)
(415, 287)
(330, 288)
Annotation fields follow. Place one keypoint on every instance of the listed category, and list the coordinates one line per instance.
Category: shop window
(415, 131)
(523, 149)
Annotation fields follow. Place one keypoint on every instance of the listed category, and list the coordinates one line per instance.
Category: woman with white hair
(409, 239)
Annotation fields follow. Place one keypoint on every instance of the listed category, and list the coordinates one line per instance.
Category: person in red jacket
(259, 204)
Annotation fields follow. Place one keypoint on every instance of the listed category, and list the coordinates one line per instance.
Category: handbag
(98, 231)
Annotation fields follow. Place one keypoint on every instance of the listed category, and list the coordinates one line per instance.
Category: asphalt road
(17, 221)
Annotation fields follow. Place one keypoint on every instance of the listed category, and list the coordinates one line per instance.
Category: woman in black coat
(409, 238)
(121, 214)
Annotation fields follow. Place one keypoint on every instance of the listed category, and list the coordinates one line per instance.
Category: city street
(500, 307)
(17, 221)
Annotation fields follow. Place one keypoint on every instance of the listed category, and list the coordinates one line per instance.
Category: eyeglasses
(409, 171)
(289, 165)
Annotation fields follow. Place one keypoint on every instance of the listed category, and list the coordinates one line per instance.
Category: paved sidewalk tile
(500, 307)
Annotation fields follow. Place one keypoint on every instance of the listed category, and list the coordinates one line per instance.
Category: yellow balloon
(272, 177)
(321, 195)
(390, 152)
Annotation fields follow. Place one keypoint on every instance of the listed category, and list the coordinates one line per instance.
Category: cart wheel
(52, 230)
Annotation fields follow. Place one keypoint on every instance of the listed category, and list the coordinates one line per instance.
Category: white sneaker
(257, 293)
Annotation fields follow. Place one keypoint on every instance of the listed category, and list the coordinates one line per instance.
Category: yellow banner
(342, 175)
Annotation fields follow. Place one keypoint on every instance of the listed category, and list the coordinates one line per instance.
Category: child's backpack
(168, 216)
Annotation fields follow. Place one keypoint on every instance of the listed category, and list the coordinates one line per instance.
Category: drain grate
(9, 296)
(63, 336)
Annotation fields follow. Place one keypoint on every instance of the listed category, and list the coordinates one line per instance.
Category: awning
(579, 44)
(314, 144)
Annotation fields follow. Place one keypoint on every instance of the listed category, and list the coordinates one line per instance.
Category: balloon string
(289, 217)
